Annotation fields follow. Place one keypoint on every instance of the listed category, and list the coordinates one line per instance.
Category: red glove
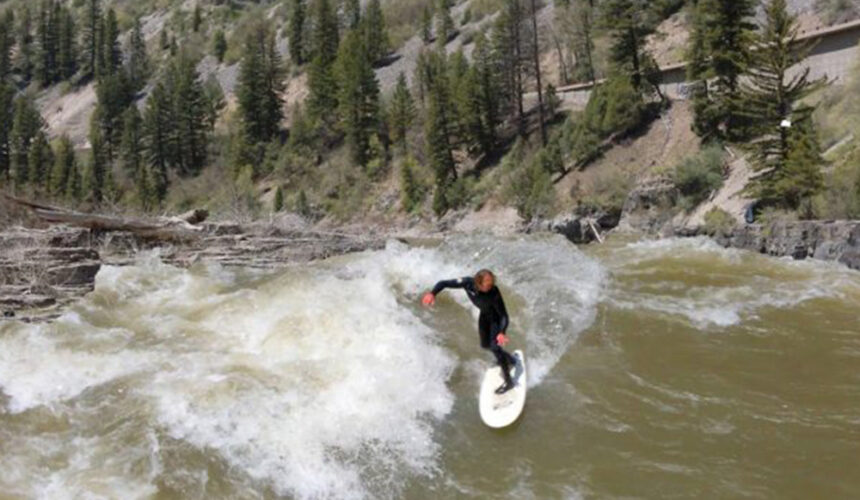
(502, 339)
(429, 299)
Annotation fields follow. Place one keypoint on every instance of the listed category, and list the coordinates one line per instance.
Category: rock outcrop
(826, 240)
(650, 205)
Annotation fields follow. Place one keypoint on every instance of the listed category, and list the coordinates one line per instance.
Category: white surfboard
(501, 410)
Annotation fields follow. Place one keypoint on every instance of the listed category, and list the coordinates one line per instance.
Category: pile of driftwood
(163, 228)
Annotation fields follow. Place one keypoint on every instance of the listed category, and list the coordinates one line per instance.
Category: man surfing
(493, 320)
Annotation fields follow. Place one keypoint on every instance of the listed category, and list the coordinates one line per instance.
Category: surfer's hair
(483, 274)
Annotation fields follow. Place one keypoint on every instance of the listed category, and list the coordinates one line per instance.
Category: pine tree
(7, 113)
(67, 56)
(583, 42)
(438, 125)
(411, 191)
(278, 204)
(322, 101)
(719, 52)
(630, 22)
(444, 23)
(74, 188)
(786, 153)
(297, 32)
(197, 19)
(27, 124)
(402, 112)
(7, 28)
(138, 61)
(95, 175)
(92, 37)
(64, 167)
(358, 97)
(325, 37)
(158, 140)
(190, 114)
(375, 32)
(111, 55)
(427, 24)
(47, 31)
(132, 155)
(219, 45)
(24, 61)
(115, 94)
(260, 86)
(40, 157)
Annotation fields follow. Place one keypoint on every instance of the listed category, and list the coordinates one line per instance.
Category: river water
(667, 369)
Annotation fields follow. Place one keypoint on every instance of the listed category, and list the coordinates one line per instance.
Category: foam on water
(320, 382)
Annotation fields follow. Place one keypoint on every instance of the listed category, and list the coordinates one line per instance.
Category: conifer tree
(138, 61)
(40, 157)
(629, 24)
(158, 140)
(64, 167)
(67, 56)
(111, 55)
(132, 155)
(410, 189)
(47, 31)
(96, 173)
(359, 96)
(114, 93)
(27, 125)
(487, 87)
(719, 51)
(92, 28)
(297, 32)
(219, 45)
(7, 113)
(427, 24)
(7, 28)
(190, 114)
(375, 32)
(402, 112)
(444, 23)
(438, 125)
(278, 204)
(197, 19)
(322, 101)
(583, 42)
(785, 153)
(24, 60)
(260, 86)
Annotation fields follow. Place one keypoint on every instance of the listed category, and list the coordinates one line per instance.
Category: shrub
(531, 189)
(697, 176)
(718, 221)
(411, 190)
(607, 194)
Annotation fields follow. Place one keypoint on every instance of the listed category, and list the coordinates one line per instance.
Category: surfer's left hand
(502, 339)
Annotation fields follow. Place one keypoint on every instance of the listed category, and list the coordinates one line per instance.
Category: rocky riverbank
(43, 270)
(825, 240)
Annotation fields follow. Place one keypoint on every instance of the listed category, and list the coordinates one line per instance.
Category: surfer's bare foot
(507, 386)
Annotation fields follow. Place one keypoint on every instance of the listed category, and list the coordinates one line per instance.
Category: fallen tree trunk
(174, 228)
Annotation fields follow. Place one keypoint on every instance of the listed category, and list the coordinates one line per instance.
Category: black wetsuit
(492, 321)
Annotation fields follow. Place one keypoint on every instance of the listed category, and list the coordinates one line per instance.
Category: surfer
(493, 321)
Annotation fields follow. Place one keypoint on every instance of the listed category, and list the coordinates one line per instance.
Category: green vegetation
(698, 176)
(718, 221)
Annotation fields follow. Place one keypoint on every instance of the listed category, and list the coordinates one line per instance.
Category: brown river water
(658, 369)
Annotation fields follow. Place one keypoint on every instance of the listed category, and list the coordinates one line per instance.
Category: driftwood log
(182, 227)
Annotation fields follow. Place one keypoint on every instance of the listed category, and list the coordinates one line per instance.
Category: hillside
(310, 166)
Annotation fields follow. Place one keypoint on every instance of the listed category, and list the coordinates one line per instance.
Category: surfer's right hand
(429, 299)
